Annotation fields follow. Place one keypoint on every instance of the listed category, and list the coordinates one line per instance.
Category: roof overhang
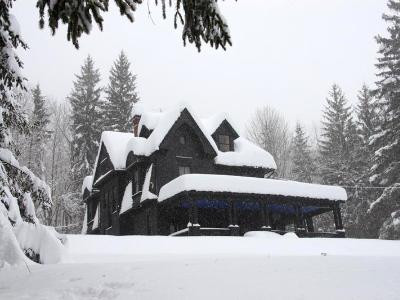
(275, 191)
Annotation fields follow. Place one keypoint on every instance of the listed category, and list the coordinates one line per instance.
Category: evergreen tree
(334, 147)
(367, 115)
(201, 20)
(339, 163)
(20, 190)
(386, 169)
(303, 163)
(86, 124)
(363, 194)
(39, 133)
(121, 96)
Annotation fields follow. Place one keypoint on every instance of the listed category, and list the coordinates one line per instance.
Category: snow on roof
(87, 184)
(138, 108)
(246, 154)
(212, 123)
(139, 146)
(114, 142)
(146, 194)
(249, 185)
(127, 200)
(149, 119)
(167, 121)
(96, 218)
(119, 144)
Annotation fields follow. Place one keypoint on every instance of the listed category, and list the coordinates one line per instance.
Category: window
(184, 170)
(182, 140)
(224, 143)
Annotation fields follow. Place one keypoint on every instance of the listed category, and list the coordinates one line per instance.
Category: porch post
(193, 225)
(338, 219)
(335, 216)
(265, 216)
(233, 226)
(310, 224)
(299, 219)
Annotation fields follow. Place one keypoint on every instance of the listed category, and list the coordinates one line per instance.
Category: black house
(180, 175)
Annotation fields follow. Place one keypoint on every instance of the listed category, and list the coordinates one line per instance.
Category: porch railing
(206, 231)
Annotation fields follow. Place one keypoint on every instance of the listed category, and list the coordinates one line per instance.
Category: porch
(193, 210)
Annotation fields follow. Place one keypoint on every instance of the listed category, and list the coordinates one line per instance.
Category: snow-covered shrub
(19, 190)
(10, 252)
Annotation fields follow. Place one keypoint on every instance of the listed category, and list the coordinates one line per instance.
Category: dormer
(224, 137)
(145, 132)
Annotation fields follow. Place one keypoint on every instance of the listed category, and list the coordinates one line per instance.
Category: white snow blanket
(138, 267)
(249, 185)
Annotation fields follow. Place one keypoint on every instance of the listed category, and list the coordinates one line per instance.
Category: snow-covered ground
(134, 267)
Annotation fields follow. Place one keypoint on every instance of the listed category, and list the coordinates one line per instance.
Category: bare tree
(269, 129)
(67, 211)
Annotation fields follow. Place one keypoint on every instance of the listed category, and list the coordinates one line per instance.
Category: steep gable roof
(212, 123)
(186, 117)
(114, 142)
(161, 126)
(119, 144)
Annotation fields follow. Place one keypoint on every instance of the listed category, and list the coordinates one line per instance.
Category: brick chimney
(136, 120)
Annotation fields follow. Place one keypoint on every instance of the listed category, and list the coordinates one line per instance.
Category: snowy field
(133, 267)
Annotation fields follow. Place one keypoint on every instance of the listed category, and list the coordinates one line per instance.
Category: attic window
(224, 143)
(182, 140)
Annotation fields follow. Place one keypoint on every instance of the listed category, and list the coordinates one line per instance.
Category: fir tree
(303, 163)
(121, 96)
(39, 133)
(363, 194)
(386, 169)
(367, 115)
(20, 190)
(334, 147)
(201, 19)
(337, 148)
(86, 128)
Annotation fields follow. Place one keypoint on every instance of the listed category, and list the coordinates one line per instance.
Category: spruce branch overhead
(201, 19)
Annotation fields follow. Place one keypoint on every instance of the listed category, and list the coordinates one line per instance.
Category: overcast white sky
(286, 53)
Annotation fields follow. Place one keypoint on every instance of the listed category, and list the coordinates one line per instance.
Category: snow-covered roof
(139, 146)
(246, 154)
(114, 143)
(87, 184)
(119, 144)
(127, 200)
(149, 119)
(250, 185)
(96, 218)
(166, 122)
(146, 194)
(212, 123)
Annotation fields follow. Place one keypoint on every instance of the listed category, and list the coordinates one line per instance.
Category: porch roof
(250, 185)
